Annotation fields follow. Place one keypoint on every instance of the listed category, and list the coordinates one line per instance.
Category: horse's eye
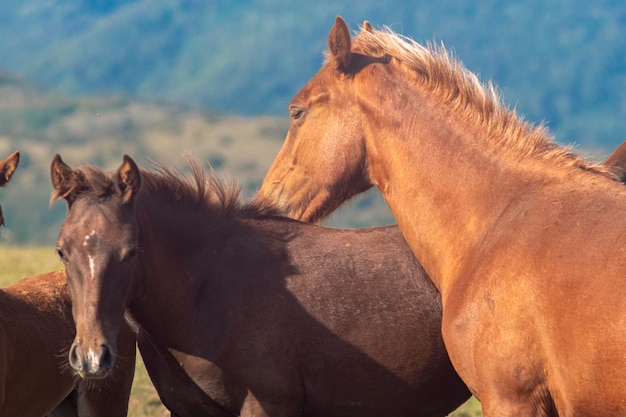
(61, 254)
(132, 253)
(295, 112)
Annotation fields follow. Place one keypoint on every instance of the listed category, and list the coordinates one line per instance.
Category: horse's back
(333, 321)
(35, 323)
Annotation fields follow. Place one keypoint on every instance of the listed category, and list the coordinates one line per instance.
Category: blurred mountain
(94, 79)
(559, 61)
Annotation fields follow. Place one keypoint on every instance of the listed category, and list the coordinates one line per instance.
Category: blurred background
(94, 79)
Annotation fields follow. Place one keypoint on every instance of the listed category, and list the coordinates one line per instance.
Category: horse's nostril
(75, 358)
(106, 359)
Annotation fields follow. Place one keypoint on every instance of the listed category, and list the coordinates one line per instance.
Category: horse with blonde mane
(524, 238)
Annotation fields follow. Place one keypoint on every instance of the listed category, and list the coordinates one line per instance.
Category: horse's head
(7, 167)
(323, 160)
(98, 244)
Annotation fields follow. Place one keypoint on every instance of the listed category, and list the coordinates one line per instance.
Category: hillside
(99, 130)
(93, 79)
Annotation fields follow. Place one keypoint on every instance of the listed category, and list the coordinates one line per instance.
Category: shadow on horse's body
(244, 313)
(36, 329)
(524, 238)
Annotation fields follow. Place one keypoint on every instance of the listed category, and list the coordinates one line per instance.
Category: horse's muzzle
(91, 363)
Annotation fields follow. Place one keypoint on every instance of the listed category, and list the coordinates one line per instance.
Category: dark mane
(199, 190)
(433, 68)
(202, 190)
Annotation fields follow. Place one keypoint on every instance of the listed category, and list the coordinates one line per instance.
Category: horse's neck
(163, 280)
(446, 198)
(162, 303)
(178, 279)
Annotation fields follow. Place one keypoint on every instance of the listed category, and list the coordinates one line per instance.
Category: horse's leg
(538, 404)
(67, 408)
(252, 407)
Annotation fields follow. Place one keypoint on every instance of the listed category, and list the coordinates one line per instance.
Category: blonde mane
(478, 104)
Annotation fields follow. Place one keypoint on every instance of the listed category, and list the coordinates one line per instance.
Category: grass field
(17, 263)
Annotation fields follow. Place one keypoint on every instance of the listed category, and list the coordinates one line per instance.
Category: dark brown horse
(7, 167)
(36, 330)
(524, 238)
(243, 313)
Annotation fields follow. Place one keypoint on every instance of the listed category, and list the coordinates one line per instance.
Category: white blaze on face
(92, 267)
(92, 359)
(92, 263)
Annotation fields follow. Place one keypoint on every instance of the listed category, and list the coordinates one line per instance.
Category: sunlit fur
(522, 236)
(433, 68)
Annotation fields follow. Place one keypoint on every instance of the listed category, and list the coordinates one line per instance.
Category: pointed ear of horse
(8, 167)
(339, 44)
(63, 179)
(128, 179)
(618, 157)
(367, 26)
(616, 162)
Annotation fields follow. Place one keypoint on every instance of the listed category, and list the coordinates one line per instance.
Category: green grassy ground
(17, 263)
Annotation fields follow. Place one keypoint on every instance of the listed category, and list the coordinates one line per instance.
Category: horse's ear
(367, 26)
(8, 167)
(61, 176)
(128, 179)
(339, 44)
(616, 163)
(618, 157)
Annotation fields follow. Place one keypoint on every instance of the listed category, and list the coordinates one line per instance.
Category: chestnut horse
(244, 313)
(7, 167)
(524, 239)
(36, 328)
